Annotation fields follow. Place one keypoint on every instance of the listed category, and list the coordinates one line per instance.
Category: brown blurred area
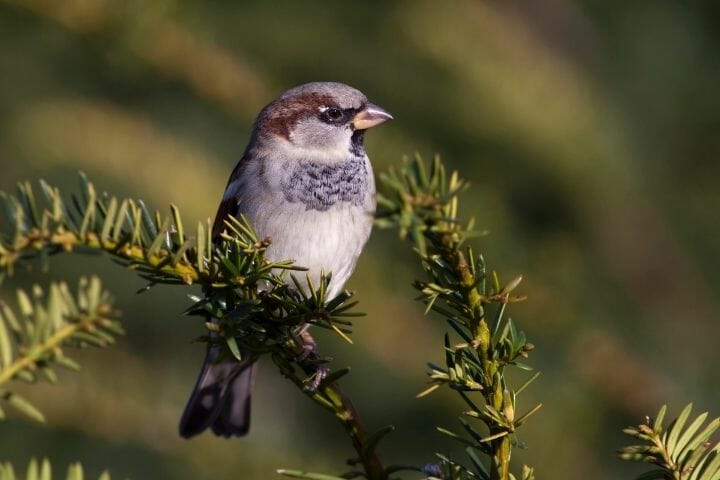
(588, 131)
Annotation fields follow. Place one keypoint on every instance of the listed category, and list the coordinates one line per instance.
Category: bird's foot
(311, 362)
(308, 345)
(308, 351)
(312, 383)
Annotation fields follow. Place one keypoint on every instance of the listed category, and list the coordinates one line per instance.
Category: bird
(306, 183)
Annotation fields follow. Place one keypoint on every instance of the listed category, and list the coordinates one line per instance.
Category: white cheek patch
(326, 153)
(320, 141)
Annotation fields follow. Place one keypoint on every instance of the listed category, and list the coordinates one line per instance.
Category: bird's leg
(308, 344)
(309, 359)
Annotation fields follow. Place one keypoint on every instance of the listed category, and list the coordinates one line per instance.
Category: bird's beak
(369, 117)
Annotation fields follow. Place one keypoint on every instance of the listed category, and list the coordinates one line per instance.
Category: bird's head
(323, 120)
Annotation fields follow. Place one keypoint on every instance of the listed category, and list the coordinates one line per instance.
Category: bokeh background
(589, 132)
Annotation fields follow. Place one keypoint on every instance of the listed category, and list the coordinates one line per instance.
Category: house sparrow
(305, 182)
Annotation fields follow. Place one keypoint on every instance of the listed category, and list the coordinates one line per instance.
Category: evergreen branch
(422, 205)
(680, 451)
(253, 308)
(331, 397)
(155, 246)
(43, 471)
(32, 344)
(239, 280)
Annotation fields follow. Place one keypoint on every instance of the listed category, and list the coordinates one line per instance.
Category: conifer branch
(156, 246)
(331, 397)
(32, 342)
(232, 270)
(678, 450)
(43, 471)
(256, 312)
(422, 204)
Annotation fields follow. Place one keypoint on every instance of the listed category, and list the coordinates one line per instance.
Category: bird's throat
(357, 143)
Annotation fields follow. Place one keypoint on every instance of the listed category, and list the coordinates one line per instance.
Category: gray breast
(320, 186)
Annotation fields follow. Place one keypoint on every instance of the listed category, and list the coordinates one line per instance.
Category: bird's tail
(221, 398)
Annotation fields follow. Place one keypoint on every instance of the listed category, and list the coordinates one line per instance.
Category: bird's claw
(308, 345)
(309, 359)
(308, 350)
(312, 383)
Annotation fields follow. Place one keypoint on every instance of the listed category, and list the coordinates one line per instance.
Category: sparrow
(305, 182)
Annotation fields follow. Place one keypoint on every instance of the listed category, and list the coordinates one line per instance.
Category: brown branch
(348, 416)
(331, 397)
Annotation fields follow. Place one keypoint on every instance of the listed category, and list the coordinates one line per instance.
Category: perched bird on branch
(305, 182)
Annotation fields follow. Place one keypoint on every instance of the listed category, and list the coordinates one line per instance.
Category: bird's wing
(229, 204)
(228, 207)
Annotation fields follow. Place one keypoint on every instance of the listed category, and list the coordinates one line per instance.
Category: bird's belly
(328, 241)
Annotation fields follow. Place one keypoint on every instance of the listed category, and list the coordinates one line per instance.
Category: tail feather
(234, 416)
(221, 398)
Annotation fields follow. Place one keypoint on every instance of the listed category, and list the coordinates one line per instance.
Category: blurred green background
(589, 132)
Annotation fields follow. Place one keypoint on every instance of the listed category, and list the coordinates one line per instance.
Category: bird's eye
(334, 113)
